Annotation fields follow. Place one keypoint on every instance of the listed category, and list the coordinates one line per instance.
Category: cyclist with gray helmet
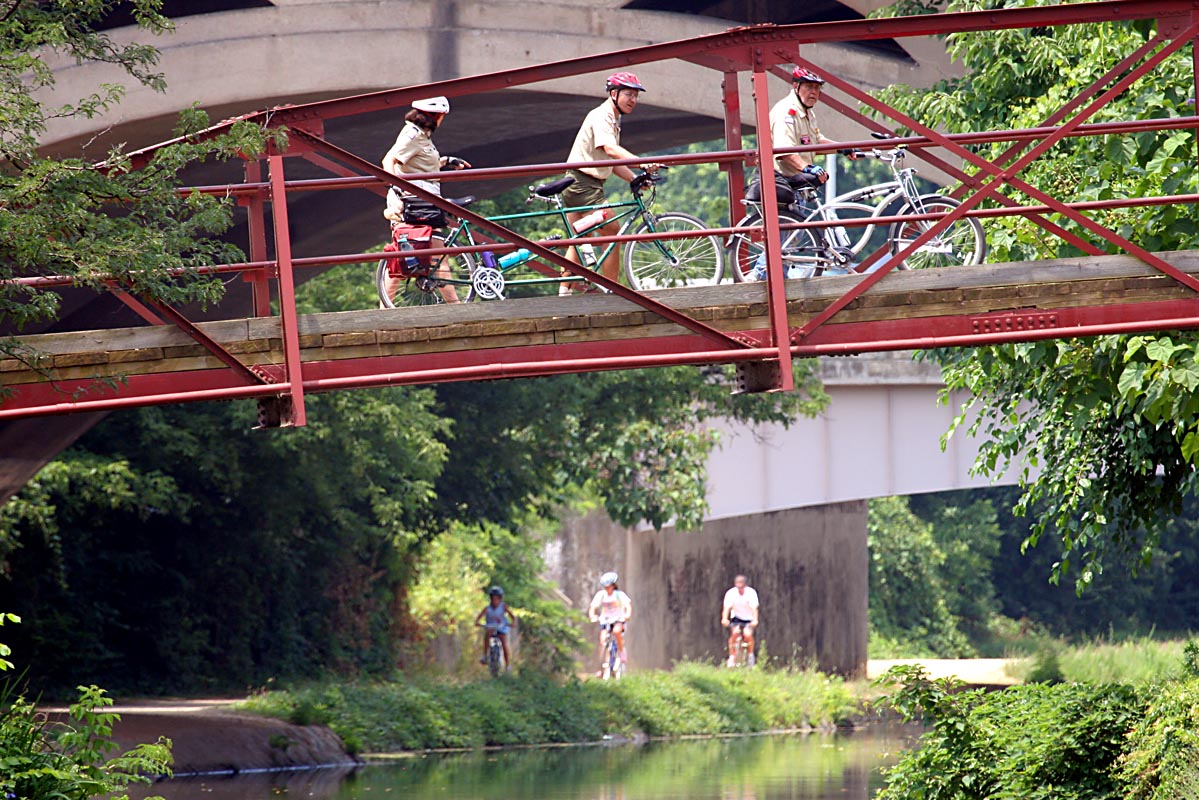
(611, 608)
(414, 152)
(495, 617)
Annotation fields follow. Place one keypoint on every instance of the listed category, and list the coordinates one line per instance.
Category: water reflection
(752, 768)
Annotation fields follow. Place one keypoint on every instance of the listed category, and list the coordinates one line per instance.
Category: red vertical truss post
(776, 289)
(1195, 78)
(259, 280)
(735, 170)
(288, 319)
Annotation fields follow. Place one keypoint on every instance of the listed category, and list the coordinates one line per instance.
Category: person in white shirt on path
(611, 608)
(740, 615)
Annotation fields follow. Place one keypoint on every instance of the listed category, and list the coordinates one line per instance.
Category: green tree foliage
(1103, 432)
(909, 600)
(91, 221)
(236, 556)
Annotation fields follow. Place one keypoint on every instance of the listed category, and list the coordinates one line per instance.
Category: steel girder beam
(35, 400)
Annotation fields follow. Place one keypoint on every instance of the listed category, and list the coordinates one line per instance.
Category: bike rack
(757, 50)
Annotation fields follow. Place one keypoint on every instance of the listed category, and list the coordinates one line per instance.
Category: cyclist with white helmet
(611, 608)
(598, 140)
(412, 153)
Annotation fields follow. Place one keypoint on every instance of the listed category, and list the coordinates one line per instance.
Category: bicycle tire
(494, 657)
(744, 251)
(692, 262)
(615, 665)
(421, 290)
(963, 244)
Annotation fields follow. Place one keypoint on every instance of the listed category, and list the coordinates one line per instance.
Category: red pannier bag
(409, 237)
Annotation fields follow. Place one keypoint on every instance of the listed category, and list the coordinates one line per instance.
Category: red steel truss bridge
(278, 356)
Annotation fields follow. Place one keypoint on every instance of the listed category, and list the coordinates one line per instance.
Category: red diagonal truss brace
(758, 50)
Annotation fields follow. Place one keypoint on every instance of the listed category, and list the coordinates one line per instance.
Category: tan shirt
(601, 127)
(792, 125)
(416, 153)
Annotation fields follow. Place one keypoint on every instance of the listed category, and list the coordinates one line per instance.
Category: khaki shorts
(587, 190)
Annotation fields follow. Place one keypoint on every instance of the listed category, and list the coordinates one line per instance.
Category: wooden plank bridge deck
(962, 292)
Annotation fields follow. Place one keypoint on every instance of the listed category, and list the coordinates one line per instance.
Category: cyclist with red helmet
(598, 140)
(793, 124)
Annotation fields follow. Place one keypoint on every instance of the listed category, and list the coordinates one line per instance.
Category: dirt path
(210, 736)
(974, 671)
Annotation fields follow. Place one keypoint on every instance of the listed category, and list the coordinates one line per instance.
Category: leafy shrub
(1035, 742)
(70, 760)
(1045, 666)
(1163, 758)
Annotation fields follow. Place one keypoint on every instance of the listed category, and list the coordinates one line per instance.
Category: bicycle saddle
(553, 187)
(463, 201)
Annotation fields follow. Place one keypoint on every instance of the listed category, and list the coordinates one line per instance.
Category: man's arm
(724, 612)
(624, 172)
(754, 621)
(511, 616)
(481, 615)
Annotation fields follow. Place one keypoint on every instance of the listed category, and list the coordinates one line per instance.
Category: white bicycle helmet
(432, 105)
(608, 578)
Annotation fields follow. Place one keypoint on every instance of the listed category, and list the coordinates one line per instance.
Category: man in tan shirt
(598, 140)
(793, 124)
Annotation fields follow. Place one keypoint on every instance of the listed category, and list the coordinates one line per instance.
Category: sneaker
(751, 659)
(624, 657)
(759, 271)
(483, 660)
(732, 661)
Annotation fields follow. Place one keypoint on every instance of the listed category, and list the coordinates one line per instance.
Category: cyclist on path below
(414, 152)
(598, 140)
(740, 615)
(611, 606)
(496, 615)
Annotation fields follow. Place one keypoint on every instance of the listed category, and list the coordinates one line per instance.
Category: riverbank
(692, 699)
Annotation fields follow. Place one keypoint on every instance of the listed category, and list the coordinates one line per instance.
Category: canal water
(794, 767)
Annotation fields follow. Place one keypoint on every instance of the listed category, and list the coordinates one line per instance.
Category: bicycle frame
(631, 211)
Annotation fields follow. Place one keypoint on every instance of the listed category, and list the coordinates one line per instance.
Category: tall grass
(1138, 660)
(424, 713)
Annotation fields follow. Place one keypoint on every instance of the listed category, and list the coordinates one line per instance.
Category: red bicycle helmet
(624, 80)
(802, 75)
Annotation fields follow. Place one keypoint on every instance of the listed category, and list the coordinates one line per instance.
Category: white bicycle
(836, 249)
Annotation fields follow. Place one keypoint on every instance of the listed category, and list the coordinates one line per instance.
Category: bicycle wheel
(421, 290)
(673, 262)
(615, 666)
(963, 244)
(747, 254)
(494, 657)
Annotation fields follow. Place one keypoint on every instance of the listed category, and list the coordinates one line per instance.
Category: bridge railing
(761, 51)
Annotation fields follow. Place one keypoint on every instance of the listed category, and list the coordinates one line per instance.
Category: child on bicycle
(611, 608)
(495, 618)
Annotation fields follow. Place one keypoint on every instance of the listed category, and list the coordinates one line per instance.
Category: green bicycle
(648, 263)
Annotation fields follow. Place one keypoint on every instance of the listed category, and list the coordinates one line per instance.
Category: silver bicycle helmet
(608, 578)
